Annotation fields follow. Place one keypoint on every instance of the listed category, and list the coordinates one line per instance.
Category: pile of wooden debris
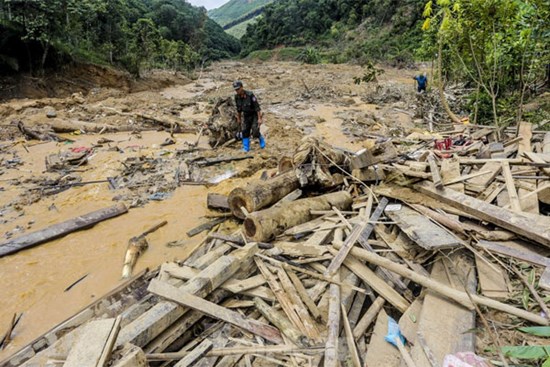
(437, 234)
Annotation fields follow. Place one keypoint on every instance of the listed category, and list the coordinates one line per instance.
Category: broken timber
(211, 309)
(60, 229)
(422, 230)
(163, 314)
(519, 223)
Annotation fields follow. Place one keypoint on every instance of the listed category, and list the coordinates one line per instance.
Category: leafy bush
(310, 55)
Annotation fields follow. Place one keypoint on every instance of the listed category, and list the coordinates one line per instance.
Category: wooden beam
(282, 323)
(434, 169)
(368, 318)
(213, 310)
(153, 322)
(60, 229)
(195, 354)
(376, 283)
(333, 325)
(457, 296)
(510, 187)
(90, 346)
(522, 224)
(422, 230)
(251, 287)
(445, 325)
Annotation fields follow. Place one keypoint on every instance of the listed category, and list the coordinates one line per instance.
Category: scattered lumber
(60, 229)
(321, 274)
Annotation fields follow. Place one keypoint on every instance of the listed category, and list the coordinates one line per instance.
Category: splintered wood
(437, 241)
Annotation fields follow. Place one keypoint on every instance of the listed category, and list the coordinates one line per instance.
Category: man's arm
(259, 117)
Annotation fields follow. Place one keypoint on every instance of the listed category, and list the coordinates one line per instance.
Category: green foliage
(527, 352)
(370, 74)
(135, 34)
(310, 55)
(500, 46)
(543, 331)
(358, 30)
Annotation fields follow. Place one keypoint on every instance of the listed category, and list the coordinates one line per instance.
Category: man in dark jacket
(249, 115)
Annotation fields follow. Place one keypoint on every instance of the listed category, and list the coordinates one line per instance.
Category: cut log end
(236, 200)
(250, 228)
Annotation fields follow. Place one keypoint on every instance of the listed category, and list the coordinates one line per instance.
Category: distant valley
(235, 15)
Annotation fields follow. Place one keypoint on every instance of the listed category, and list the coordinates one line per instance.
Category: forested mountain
(234, 15)
(135, 34)
(381, 29)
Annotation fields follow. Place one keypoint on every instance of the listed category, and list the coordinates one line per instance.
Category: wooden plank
(310, 325)
(205, 227)
(251, 287)
(299, 249)
(60, 229)
(319, 238)
(333, 324)
(195, 354)
(450, 170)
(445, 325)
(361, 232)
(492, 282)
(478, 184)
(356, 361)
(153, 322)
(378, 285)
(369, 316)
(281, 295)
(525, 132)
(434, 169)
(510, 187)
(379, 351)
(213, 310)
(281, 322)
(409, 321)
(521, 253)
(302, 292)
(520, 223)
(89, 347)
(422, 230)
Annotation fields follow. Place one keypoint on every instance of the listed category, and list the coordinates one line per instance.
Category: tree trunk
(260, 194)
(266, 224)
(441, 86)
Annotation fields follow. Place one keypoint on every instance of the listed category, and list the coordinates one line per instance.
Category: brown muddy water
(34, 280)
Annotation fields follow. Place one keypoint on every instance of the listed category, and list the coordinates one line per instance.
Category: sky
(208, 4)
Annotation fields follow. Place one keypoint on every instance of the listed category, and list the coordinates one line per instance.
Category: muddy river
(34, 281)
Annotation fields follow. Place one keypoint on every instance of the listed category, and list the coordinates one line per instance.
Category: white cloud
(208, 4)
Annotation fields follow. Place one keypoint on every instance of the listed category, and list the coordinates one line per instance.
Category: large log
(265, 224)
(260, 194)
(60, 229)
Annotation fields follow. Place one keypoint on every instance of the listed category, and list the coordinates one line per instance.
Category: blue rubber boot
(246, 144)
(262, 142)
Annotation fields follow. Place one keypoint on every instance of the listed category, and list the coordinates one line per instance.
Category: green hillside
(133, 34)
(235, 10)
(240, 29)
